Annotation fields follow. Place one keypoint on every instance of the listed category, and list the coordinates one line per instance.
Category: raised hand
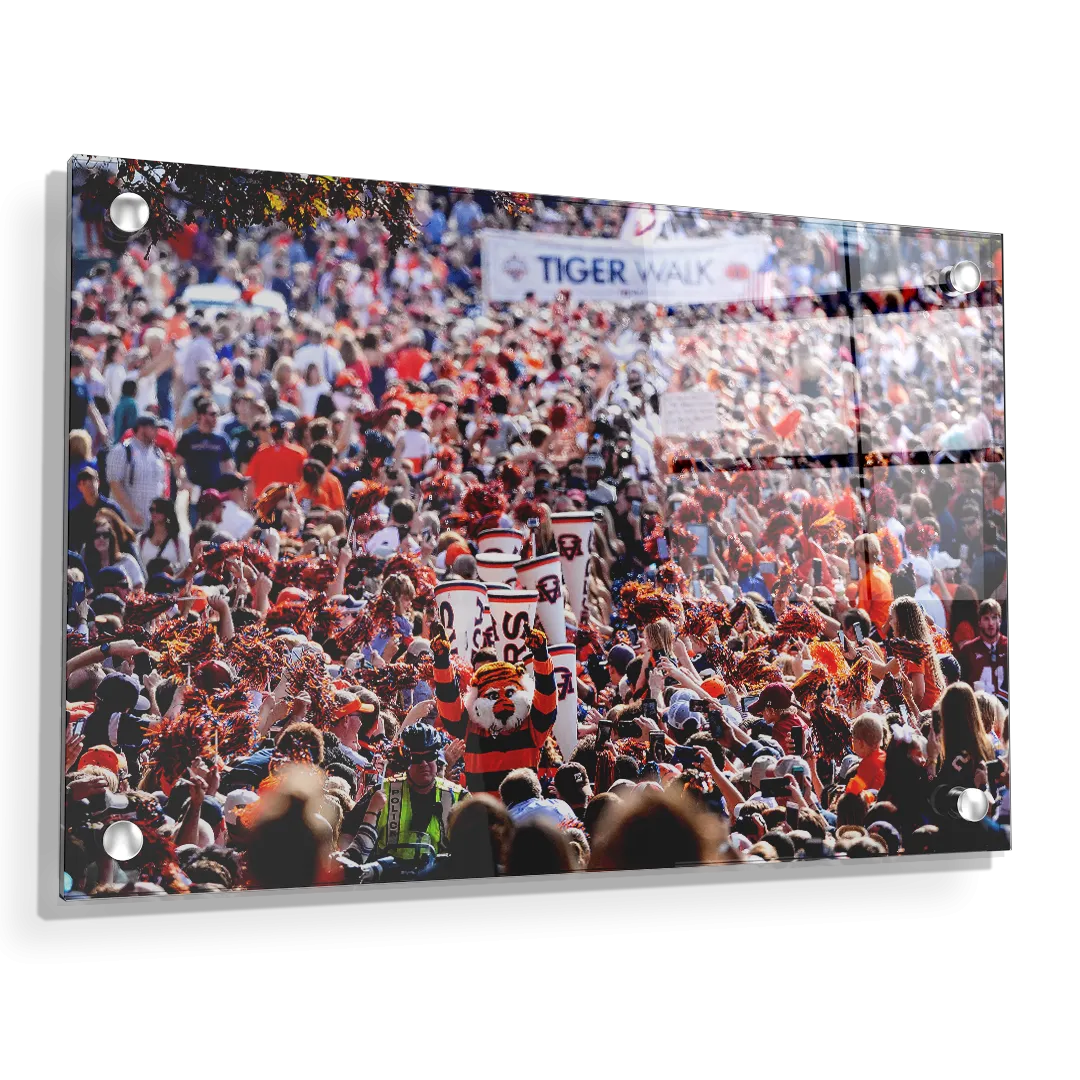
(73, 745)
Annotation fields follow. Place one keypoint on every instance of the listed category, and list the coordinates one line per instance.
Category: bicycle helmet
(420, 739)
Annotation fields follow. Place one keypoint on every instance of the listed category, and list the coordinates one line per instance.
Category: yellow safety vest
(395, 819)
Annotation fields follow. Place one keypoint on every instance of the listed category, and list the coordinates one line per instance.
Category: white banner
(573, 530)
(513, 611)
(508, 540)
(564, 658)
(710, 271)
(544, 574)
(688, 412)
(460, 607)
(496, 567)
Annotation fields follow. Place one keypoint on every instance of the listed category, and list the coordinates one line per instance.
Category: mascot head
(500, 697)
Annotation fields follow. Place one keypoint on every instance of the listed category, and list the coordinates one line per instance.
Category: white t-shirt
(415, 444)
(235, 520)
(325, 357)
(931, 603)
(115, 376)
(176, 551)
(309, 396)
(196, 351)
(387, 541)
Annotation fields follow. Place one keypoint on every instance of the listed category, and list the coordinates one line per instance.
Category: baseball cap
(121, 693)
(924, 574)
(942, 560)
(236, 801)
(164, 583)
(680, 717)
(111, 577)
(758, 771)
(619, 657)
(774, 696)
(847, 766)
(232, 481)
(209, 501)
(789, 762)
(950, 667)
(382, 549)
(106, 757)
(108, 604)
(419, 647)
(571, 780)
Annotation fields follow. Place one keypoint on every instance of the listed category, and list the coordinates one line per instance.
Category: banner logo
(570, 546)
(550, 587)
(514, 268)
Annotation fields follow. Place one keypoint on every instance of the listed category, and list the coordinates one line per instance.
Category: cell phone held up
(798, 740)
(775, 787)
(686, 755)
(657, 744)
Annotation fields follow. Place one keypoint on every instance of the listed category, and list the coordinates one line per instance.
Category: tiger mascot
(505, 716)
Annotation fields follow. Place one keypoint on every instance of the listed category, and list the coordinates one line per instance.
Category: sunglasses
(417, 759)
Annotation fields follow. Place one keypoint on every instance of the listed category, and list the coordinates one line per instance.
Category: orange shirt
(876, 596)
(930, 692)
(276, 463)
(410, 362)
(328, 493)
(870, 773)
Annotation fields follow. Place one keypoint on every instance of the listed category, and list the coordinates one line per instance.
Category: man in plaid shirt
(137, 472)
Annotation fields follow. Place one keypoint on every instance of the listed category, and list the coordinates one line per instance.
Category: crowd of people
(791, 642)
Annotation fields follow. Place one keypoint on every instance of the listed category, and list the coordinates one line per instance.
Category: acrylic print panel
(418, 533)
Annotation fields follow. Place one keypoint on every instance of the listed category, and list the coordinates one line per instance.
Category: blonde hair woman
(993, 715)
(906, 620)
(80, 451)
(286, 381)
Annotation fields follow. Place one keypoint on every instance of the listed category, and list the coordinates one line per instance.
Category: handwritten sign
(689, 412)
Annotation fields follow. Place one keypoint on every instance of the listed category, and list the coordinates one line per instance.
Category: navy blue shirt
(81, 520)
(949, 536)
(203, 456)
(755, 584)
(78, 405)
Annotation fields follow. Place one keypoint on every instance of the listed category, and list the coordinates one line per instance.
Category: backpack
(129, 457)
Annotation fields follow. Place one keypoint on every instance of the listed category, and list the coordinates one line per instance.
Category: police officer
(406, 815)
